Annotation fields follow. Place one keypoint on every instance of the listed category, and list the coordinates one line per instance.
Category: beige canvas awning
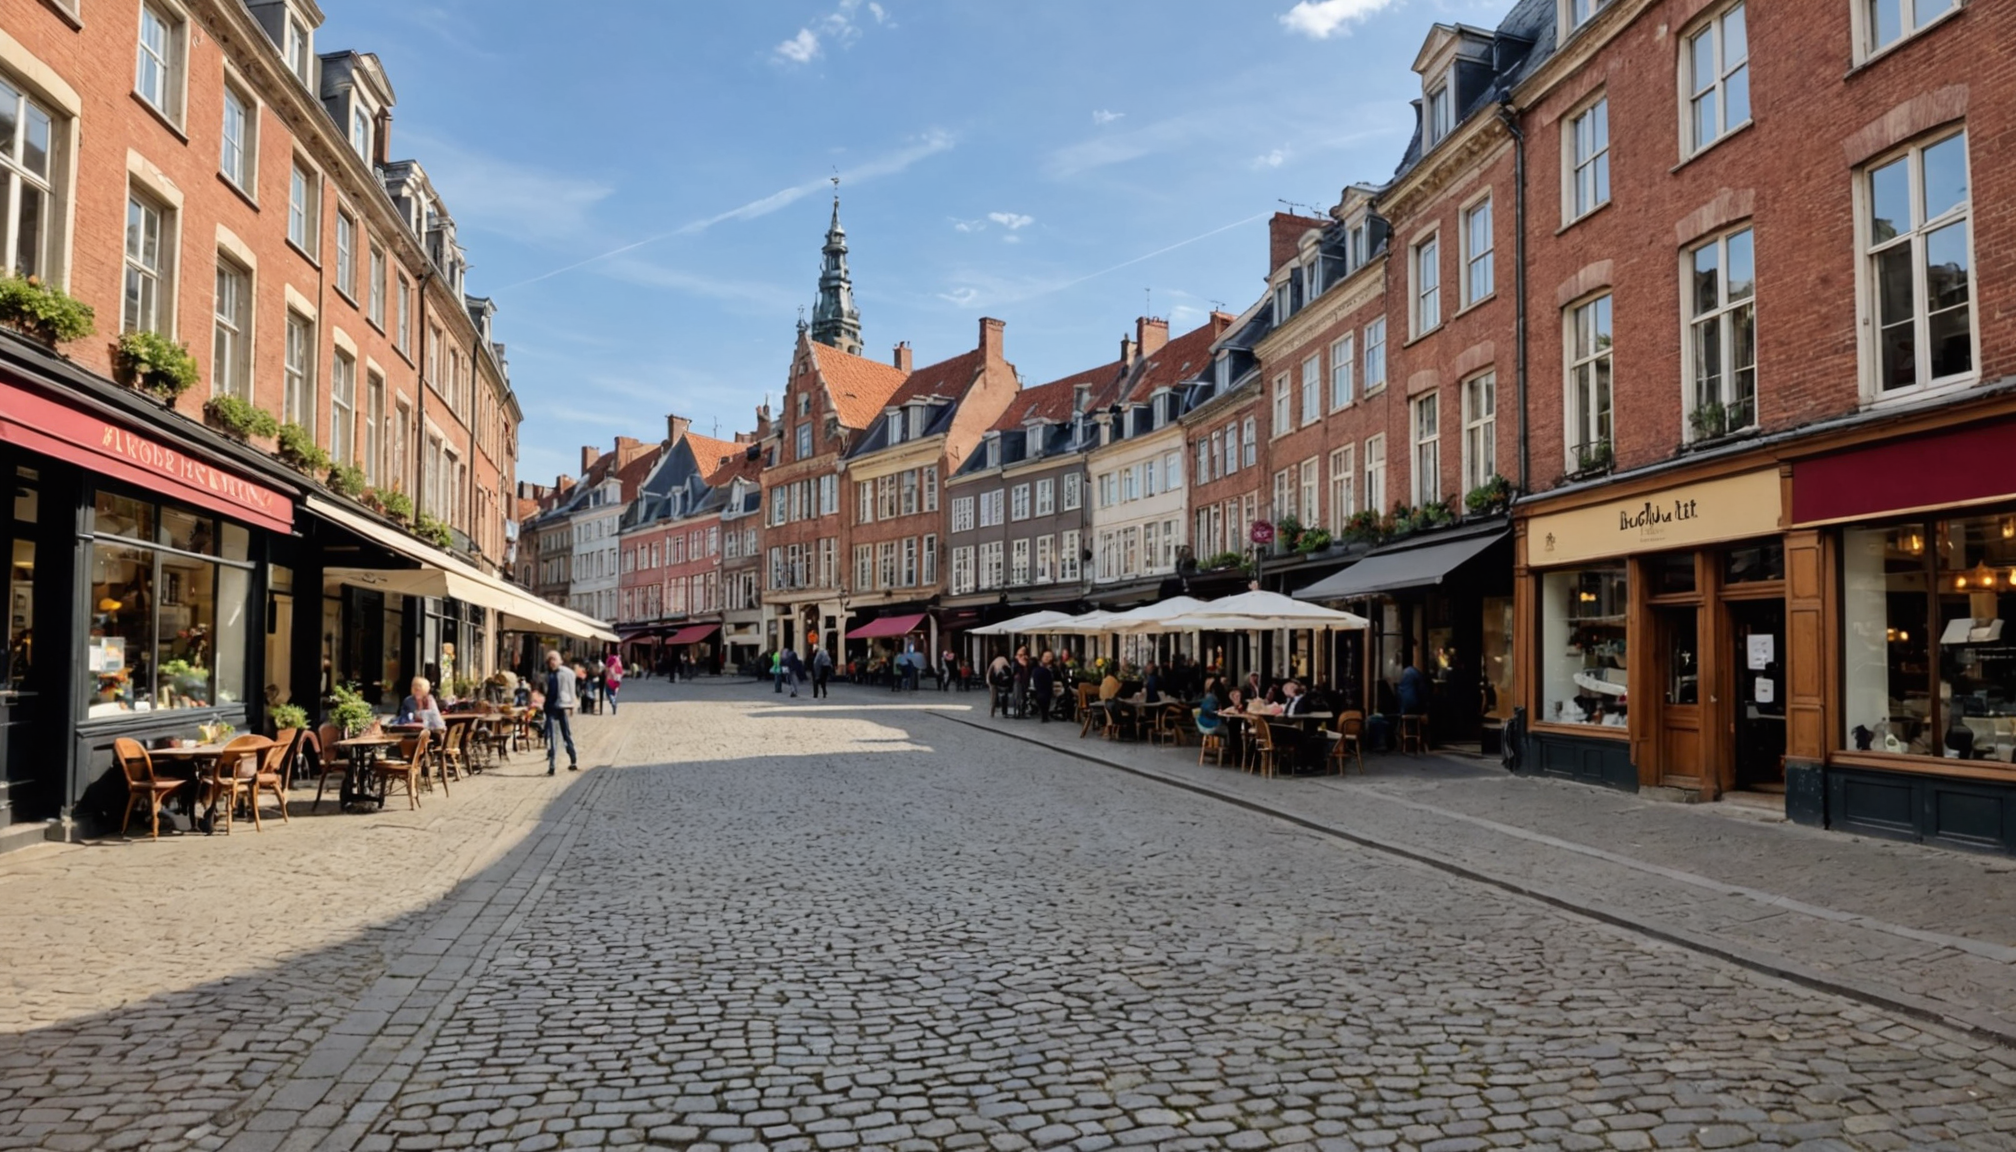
(442, 575)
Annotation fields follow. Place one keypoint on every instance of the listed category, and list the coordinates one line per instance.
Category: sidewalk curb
(1875, 995)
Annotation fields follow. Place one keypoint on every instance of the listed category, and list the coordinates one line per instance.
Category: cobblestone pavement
(799, 926)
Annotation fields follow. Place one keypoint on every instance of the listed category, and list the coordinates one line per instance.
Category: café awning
(887, 627)
(442, 575)
(1393, 571)
(1032, 623)
(692, 634)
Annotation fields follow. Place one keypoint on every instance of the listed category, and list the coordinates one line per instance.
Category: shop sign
(1263, 532)
(1728, 508)
(173, 465)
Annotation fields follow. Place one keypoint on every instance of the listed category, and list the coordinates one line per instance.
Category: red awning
(694, 634)
(40, 424)
(626, 635)
(887, 627)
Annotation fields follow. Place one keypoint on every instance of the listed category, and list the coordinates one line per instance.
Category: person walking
(560, 700)
(948, 665)
(822, 671)
(1042, 683)
(794, 670)
(612, 680)
(777, 670)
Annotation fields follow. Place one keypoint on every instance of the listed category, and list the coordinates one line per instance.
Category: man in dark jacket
(1042, 681)
(560, 700)
(794, 670)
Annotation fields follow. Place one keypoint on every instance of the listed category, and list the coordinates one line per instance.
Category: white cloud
(499, 195)
(960, 296)
(959, 225)
(1322, 19)
(880, 13)
(1273, 159)
(1010, 220)
(1011, 238)
(1102, 116)
(799, 49)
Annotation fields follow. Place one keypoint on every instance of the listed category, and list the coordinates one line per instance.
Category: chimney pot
(589, 454)
(903, 358)
(1150, 335)
(675, 428)
(991, 338)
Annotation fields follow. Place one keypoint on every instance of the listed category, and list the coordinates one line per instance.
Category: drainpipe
(420, 405)
(1511, 121)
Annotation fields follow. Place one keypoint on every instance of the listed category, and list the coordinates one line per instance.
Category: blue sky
(641, 186)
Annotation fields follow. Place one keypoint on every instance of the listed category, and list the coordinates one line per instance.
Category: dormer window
(1281, 302)
(1580, 12)
(300, 49)
(894, 426)
(1222, 370)
(1440, 117)
(360, 128)
(1033, 439)
(993, 451)
(1359, 246)
(1312, 282)
(917, 414)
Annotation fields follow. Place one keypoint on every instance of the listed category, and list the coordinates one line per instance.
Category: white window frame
(1598, 424)
(1585, 176)
(159, 72)
(1375, 354)
(1343, 487)
(1480, 273)
(375, 291)
(231, 330)
(1284, 405)
(1425, 466)
(804, 444)
(298, 363)
(1375, 473)
(1018, 503)
(346, 254)
(1343, 371)
(1312, 389)
(1699, 94)
(962, 513)
(343, 408)
(304, 209)
(1438, 110)
(1249, 431)
(1046, 497)
(298, 48)
(1424, 267)
(1575, 13)
(1480, 430)
(18, 182)
(1910, 23)
(1723, 319)
(962, 570)
(238, 155)
(1067, 556)
(1915, 241)
(1311, 493)
(149, 266)
(1074, 491)
(1019, 559)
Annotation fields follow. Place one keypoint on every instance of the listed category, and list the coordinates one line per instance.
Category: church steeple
(835, 321)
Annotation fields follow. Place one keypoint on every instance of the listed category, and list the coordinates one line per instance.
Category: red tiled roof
(708, 454)
(860, 387)
(1179, 360)
(633, 474)
(1053, 401)
(740, 467)
(947, 378)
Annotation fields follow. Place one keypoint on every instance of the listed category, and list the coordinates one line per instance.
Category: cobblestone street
(764, 923)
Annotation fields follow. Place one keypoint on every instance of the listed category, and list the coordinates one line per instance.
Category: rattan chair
(1349, 741)
(142, 786)
(1210, 741)
(232, 775)
(328, 761)
(276, 772)
(1260, 747)
(408, 765)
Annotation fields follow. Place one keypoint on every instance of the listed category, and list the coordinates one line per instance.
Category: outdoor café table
(186, 763)
(362, 751)
(1306, 722)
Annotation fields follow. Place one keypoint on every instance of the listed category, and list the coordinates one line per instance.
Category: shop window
(1929, 667)
(168, 620)
(1583, 646)
(1670, 575)
(1752, 565)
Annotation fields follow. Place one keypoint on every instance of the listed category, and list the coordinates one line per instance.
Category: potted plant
(1491, 496)
(285, 716)
(1709, 421)
(298, 448)
(1593, 457)
(1363, 526)
(1312, 541)
(43, 312)
(1434, 515)
(351, 713)
(1287, 531)
(346, 480)
(239, 418)
(153, 363)
(1223, 560)
(398, 505)
(434, 530)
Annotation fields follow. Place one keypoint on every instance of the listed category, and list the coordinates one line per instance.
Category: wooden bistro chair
(328, 761)
(142, 786)
(1413, 734)
(1168, 726)
(410, 763)
(1088, 711)
(233, 774)
(454, 755)
(1209, 743)
(275, 772)
(1349, 741)
(1260, 746)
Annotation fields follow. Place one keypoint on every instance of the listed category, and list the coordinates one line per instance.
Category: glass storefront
(168, 608)
(1928, 664)
(1583, 646)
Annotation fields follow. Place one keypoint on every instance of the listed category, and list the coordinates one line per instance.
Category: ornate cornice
(1346, 296)
(1471, 146)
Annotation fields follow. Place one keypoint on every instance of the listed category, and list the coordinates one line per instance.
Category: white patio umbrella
(1033, 622)
(1261, 612)
(1150, 618)
(1090, 624)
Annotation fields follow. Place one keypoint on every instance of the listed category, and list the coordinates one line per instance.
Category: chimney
(1081, 396)
(762, 420)
(990, 338)
(1126, 352)
(1284, 238)
(675, 428)
(589, 454)
(1150, 335)
(381, 140)
(902, 359)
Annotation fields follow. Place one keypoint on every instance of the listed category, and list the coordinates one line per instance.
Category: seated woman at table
(1207, 710)
(422, 707)
(1151, 683)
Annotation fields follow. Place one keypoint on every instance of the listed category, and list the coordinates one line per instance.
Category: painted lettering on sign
(1651, 517)
(168, 462)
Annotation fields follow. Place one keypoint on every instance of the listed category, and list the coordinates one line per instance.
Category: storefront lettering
(165, 460)
(1652, 516)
